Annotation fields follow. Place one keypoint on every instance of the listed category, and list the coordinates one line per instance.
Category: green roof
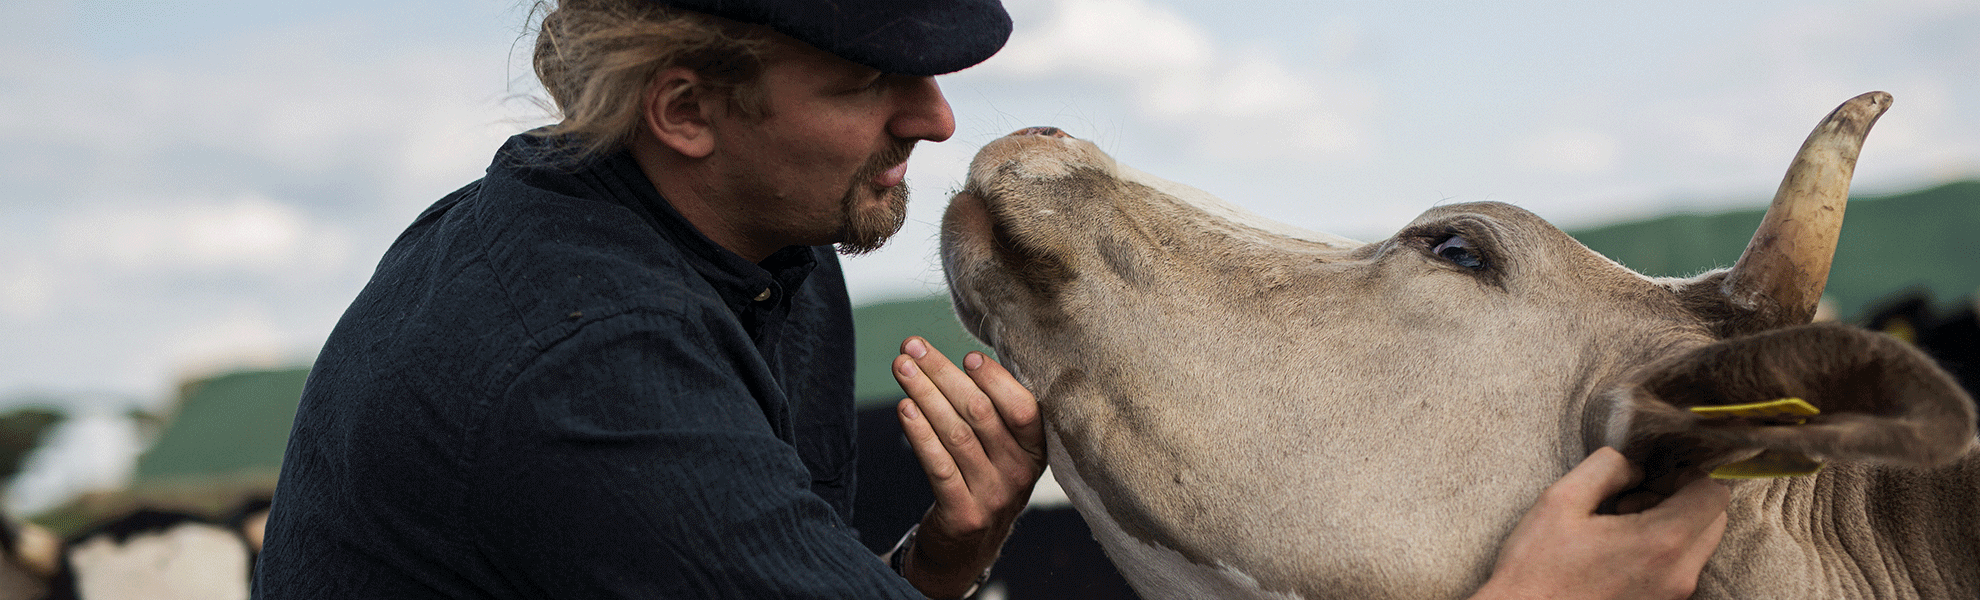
(1889, 244)
(236, 423)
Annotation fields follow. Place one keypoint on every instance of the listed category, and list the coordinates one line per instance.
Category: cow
(29, 557)
(144, 553)
(1050, 555)
(1242, 409)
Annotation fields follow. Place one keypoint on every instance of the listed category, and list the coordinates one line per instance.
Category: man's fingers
(1603, 474)
(952, 434)
(953, 405)
(975, 396)
(944, 477)
(982, 468)
(1015, 403)
(1700, 502)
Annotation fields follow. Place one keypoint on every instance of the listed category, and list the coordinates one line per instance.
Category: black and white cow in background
(146, 554)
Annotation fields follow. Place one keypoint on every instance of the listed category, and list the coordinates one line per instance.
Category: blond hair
(597, 57)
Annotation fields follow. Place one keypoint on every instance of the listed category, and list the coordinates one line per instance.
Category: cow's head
(1313, 413)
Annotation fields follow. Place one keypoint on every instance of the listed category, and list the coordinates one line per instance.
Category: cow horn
(1778, 281)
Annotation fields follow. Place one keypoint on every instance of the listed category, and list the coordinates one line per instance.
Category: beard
(863, 231)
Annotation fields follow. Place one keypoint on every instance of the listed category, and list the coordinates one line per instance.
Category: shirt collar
(739, 281)
(617, 177)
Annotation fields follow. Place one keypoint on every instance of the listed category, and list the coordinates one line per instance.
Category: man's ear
(677, 111)
(1874, 398)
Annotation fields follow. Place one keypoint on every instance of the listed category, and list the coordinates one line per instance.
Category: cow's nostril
(1044, 131)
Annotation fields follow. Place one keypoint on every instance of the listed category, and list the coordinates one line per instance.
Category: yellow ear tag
(1771, 409)
(1771, 463)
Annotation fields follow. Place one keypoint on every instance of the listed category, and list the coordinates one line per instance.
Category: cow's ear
(1856, 395)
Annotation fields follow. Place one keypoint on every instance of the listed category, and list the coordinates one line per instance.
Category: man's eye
(1460, 252)
(871, 84)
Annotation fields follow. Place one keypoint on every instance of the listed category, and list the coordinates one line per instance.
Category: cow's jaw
(1157, 571)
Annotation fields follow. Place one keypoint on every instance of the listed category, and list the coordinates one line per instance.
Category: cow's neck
(1879, 532)
(1156, 571)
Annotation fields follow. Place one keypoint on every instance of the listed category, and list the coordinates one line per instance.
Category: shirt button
(763, 296)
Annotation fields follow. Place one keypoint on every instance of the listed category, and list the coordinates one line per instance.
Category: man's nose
(923, 113)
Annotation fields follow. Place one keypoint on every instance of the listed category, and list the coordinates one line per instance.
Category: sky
(200, 185)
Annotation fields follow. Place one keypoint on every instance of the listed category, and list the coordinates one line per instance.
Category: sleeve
(634, 461)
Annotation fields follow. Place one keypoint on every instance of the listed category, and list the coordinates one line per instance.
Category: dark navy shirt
(555, 387)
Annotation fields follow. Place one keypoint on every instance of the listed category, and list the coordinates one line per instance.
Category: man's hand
(1562, 549)
(978, 436)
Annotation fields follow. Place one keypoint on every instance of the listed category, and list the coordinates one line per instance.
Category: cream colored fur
(1310, 417)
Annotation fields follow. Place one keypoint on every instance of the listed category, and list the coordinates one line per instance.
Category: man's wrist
(900, 560)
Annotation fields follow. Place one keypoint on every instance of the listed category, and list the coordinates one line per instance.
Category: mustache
(886, 159)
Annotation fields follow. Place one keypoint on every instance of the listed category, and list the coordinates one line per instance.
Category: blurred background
(192, 191)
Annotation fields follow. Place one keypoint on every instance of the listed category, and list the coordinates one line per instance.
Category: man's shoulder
(545, 256)
(561, 257)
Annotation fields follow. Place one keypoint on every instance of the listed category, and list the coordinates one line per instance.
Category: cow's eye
(1459, 252)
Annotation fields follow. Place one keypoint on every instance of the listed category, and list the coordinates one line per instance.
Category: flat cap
(911, 37)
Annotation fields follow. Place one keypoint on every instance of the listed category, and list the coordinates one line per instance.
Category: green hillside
(880, 328)
(1922, 240)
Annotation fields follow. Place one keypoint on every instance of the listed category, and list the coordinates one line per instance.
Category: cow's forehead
(1533, 238)
(1215, 207)
(1044, 158)
(1503, 220)
(1034, 174)
(1041, 158)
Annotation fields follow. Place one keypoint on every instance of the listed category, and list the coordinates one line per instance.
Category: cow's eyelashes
(1460, 252)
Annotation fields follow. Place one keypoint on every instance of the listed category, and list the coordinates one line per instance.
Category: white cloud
(239, 337)
(1569, 151)
(1236, 105)
(1758, 94)
(247, 233)
(1127, 39)
(222, 201)
(26, 286)
(1717, 122)
(307, 104)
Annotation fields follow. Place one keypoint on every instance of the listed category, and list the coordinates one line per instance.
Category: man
(620, 364)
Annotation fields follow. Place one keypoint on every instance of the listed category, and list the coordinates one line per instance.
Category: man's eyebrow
(862, 72)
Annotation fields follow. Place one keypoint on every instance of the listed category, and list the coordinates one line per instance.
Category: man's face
(828, 163)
